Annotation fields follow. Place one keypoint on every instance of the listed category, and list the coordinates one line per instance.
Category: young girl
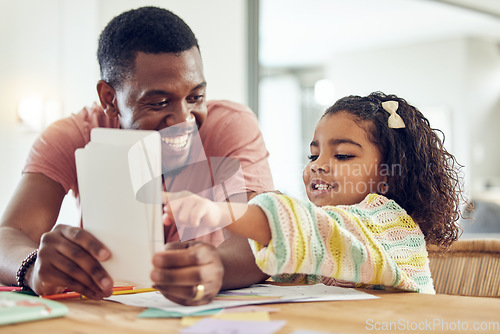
(381, 185)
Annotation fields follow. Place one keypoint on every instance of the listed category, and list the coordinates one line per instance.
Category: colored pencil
(10, 288)
(73, 294)
(126, 292)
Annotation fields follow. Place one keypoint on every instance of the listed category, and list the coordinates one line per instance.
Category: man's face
(165, 89)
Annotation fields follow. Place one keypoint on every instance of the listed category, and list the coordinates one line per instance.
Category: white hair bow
(395, 121)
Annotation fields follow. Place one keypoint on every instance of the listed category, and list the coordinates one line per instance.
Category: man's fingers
(185, 294)
(179, 245)
(62, 256)
(87, 271)
(61, 279)
(183, 254)
(186, 276)
(176, 258)
(184, 269)
(180, 285)
(85, 240)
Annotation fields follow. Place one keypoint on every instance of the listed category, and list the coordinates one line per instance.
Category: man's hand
(69, 257)
(182, 266)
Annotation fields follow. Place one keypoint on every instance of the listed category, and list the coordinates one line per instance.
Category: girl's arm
(252, 224)
(374, 242)
(188, 210)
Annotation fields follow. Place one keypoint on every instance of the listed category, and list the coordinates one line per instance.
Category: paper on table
(18, 307)
(209, 325)
(310, 332)
(256, 294)
(241, 316)
(109, 169)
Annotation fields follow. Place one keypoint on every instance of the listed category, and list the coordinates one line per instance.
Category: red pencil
(64, 295)
(73, 294)
(10, 288)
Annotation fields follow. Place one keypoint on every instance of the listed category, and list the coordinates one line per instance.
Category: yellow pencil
(126, 292)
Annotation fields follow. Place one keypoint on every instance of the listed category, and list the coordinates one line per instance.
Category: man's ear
(107, 96)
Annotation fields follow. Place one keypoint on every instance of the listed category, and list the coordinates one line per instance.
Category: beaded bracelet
(21, 272)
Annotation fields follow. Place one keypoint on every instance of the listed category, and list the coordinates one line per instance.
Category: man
(152, 78)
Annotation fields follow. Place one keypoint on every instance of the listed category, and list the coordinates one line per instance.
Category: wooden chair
(467, 268)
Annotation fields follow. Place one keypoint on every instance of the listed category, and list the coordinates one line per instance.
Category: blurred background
(288, 60)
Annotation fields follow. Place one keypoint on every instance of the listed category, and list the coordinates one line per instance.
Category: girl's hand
(194, 215)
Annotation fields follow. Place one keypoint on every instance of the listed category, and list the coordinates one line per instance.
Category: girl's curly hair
(427, 182)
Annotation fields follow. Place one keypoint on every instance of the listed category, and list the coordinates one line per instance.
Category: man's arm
(240, 269)
(239, 131)
(25, 219)
(67, 256)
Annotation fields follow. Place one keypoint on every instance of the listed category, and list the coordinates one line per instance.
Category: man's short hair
(146, 29)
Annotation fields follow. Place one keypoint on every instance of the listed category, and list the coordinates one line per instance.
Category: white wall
(482, 113)
(220, 27)
(49, 50)
(461, 76)
(280, 123)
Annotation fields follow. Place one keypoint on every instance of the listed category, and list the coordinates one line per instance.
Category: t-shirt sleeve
(53, 153)
(236, 134)
(345, 243)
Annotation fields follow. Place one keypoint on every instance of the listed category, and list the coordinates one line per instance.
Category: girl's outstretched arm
(374, 242)
(191, 211)
(253, 224)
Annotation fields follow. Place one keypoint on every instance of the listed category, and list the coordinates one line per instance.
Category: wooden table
(409, 311)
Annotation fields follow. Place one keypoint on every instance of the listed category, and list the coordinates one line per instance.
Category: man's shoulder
(222, 114)
(74, 131)
(82, 122)
(221, 108)
(94, 116)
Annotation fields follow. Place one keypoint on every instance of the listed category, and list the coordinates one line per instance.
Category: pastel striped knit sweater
(371, 244)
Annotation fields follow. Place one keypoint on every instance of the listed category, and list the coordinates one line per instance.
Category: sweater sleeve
(374, 242)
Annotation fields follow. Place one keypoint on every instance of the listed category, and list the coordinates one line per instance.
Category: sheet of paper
(156, 313)
(211, 326)
(18, 307)
(256, 294)
(241, 316)
(310, 332)
(251, 308)
(110, 169)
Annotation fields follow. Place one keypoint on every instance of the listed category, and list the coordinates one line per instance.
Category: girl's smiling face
(345, 164)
